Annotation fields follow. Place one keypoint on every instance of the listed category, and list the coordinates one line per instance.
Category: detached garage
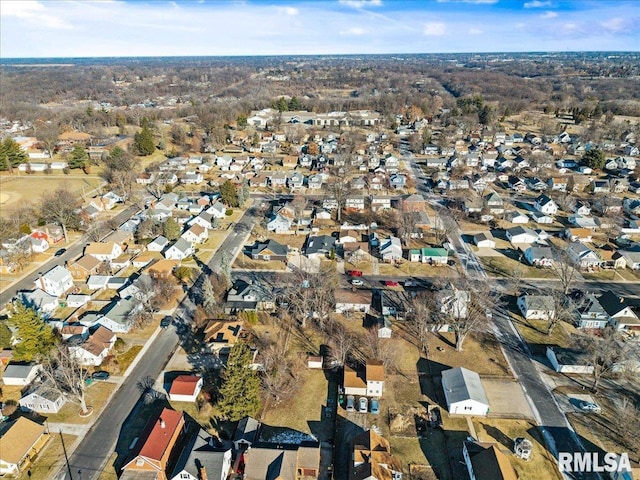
(464, 393)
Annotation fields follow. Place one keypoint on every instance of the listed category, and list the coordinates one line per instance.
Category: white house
(521, 235)
(185, 388)
(120, 315)
(569, 361)
(20, 375)
(200, 456)
(180, 250)
(158, 244)
(96, 348)
(196, 234)
(484, 240)
(56, 281)
(536, 307)
(582, 256)
(352, 301)
(104, 252)
(391, 249)
(43, 399)
(40, 301)
(545, 205)
(539, 256)
(464, 392)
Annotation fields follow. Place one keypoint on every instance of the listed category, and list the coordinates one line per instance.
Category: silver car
(363, 405)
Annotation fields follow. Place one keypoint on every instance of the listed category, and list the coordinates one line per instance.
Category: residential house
(397, 181)
(221, 335)
(319, 246)
(158, 244)
(473, 205)
(432, 256)
(578, 183)
(536, 185)
(590, 313)
(516, 184)
(600, 186)
(545, 205)
(196, 234)
(246, 434)
(314, 182)
(103, 251)
(611, 258)
(369, 383)
(43, 398)
(536, 307)
(97, 282)
(583, 235)
(621, 315)
(282, 219)
(582, 207)
(119, 315)
(245, 295)
(632, 258)
(485, 461)
(521, 235)
(539, 256)
(55, 281)
(380, 203)
(180, 250)
(38, 242)
(40, 301)
(201, 458)
(349, 236)
(391, 249)
(217, 210)
(356, 252)
(20, 444)
(355, 203)
(277, 179)
(484, 240)
(270, 250)
(464, 393)
(453, 302)
(372, 459)
(282, 462)
(96, 348)
(569, 360)
(494, 203)
(185, 388)
(582, 256)
(558, 184)
(516, 217)
(20, 375)
(156, 447)
(352, 301)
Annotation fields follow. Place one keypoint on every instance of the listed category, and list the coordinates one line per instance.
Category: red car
(354, 273)
(391, 283)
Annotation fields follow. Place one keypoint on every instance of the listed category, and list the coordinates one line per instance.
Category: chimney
(162, 424)
(203, 473)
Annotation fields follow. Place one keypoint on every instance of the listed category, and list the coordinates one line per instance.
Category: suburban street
(72, 252)
(98, 445)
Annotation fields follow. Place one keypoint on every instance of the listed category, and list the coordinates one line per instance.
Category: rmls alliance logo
(593, 462)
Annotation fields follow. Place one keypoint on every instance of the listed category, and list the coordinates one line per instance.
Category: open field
(24, 189)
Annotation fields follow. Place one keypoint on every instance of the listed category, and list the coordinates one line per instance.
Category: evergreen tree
(240, 390)
(209, 302)
(171, 229)
(229, 194)
(78, 156)
(294, 103)
(143, 140)
(594, 158)
(5, 336)
(11, 154)
(36, 337)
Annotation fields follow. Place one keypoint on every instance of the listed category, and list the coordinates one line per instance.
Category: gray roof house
(40, 301)
(246, 433)
(43, 399)
(320, 246)
(201, 455)
(119, 316)
(20, 375)
(245, 295)
(590, 313)
(391, 249)
(180, 250)
(270, 250)
(464, 392)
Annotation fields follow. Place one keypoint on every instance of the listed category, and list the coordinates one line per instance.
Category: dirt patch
(403, 420)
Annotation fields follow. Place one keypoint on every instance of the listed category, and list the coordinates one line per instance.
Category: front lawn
(96, 396)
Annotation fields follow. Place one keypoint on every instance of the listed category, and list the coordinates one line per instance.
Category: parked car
(375, 406)
(165, 322)
(62, 251)
(351, 403)
(410, 283)
(391, 283)
(363, 405)
(100, 375)
(357, 282)
(589, 407)
(354, 273)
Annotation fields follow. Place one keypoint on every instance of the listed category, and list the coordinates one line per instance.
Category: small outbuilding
(185, 388)
(464, 392)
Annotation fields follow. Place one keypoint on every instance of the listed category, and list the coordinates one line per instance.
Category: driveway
(507, 399)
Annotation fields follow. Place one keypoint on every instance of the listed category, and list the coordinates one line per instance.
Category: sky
(108, 28)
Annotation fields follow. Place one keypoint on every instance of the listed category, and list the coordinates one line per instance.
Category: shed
(314, 362)
(185, 388)
(464, 392)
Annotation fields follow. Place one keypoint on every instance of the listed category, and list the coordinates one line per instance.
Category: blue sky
(81, 28)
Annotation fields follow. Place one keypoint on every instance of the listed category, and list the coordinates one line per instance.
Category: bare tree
(146, 386)
(20, 256)
(155, 187)
(604, 352)
(278, 379)
(422, 319)
(47, 134)
(340, 343)
(310, 295)
(564, 270)
(96, 229)
(379, 348)
(65, 376)
(61, 206)
(339, 187)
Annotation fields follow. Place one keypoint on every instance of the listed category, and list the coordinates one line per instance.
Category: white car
(589, 407)
(356, 282)
(363, 405)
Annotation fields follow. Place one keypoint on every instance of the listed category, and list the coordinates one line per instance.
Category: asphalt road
(72, 252)
(99, 443)
(101, 440)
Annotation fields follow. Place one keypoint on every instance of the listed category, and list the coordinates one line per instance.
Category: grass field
(25, 189)
(96, 396)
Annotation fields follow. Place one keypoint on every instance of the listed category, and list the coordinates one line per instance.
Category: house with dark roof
(246, 295)
(319, 246)
(156, 447)
(621, 315)
(270, 250)
(43, 398)
(202, 458)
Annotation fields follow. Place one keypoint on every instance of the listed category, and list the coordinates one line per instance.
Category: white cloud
(617, 24)
(359, 4)
(353, 31)
(549, 14)
(537, 4)
(33, 12)
(435, 29)
(475, 31)
(290, 11)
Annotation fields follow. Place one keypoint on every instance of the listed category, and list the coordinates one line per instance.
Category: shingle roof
(184, 385)
(18, 440)
(462, 384)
